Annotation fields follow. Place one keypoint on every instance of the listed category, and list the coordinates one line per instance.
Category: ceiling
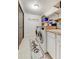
(45, 5)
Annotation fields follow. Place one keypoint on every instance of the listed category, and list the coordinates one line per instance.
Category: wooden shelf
(58, 20)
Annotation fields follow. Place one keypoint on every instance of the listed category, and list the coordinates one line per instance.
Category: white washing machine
(39, 44)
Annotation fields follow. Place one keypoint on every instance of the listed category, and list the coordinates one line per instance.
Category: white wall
(29, 24)
(29, 31)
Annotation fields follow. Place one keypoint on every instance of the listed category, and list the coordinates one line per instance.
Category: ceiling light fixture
(36, 4)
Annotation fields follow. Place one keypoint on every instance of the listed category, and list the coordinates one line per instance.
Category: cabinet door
(51, 44)
(58, 47)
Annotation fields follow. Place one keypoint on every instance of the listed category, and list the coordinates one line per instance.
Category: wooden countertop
(56, 31)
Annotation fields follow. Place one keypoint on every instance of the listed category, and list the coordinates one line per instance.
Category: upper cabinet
(58, 5)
